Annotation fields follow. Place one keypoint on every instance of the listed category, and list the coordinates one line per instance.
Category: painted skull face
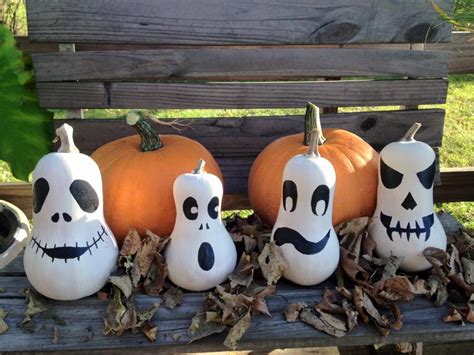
(303, 229)
(404, 221)
(201, 253)
(72, 250)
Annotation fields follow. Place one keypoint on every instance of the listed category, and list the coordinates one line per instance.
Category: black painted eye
(426, 176)
(390, 177)
(40, 191)
(190, 207)
(85, 195)
(213, 207)
(289, 190)
(320, 194)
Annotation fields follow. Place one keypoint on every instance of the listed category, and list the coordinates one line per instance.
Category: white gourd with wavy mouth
(72, 250)
(404, 222)
(201, 253)
(303, 229)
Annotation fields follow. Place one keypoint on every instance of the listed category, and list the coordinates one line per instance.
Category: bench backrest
(244, 54)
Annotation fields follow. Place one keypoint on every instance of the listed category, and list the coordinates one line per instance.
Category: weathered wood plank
(241, 94)
(238, 64)
(236, 22)
(462, 52)
(457, 185)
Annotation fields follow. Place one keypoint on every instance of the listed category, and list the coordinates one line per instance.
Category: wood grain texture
(462, 52)
(236, 22)
(457, 185)
(238, 64)
(241, 94)
(84, 324)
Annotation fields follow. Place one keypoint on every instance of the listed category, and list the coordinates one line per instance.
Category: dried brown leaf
(468, 266)
(272, 263)
(250, 230)
(333, 321)
(260, 305)
(3, 325)
(237, 331)
(173, 297)
(400, 288)
(124, 283)
(351, 314)
(292, 312)
(35, 304)
(436, 256)
(156, 277)
(149, 331)
(355, 272)
(119, 317)
(353, 226)
(243, 273)
(146, 255)
(452, 316)
(145, 315)
(131, 244)
(308, 316)
(200, 328)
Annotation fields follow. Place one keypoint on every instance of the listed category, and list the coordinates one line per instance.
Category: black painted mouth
(286, 235)
(66, 252)
(206, 256)
(427, 221)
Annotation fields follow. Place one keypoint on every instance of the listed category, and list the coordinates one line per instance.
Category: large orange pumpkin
(138, 173)
(353, 159)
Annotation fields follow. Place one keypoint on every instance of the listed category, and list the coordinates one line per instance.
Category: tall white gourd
(72, 250)
(303, 229)
(404, 222)
(201, 253)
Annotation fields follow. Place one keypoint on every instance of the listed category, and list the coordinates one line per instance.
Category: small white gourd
(201, 253)
(404, 222)
(303, 229)
(72, 250)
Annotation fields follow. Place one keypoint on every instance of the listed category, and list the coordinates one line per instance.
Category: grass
(458, 141)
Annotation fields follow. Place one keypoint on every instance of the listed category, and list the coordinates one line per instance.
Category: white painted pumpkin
(72, 250)
(14, 226)
(404, 222)
(201, 253)
(303, 229)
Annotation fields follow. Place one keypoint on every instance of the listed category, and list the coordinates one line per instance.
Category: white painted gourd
(72, 250)
(303, 229)
(201, 253)
(404, 222)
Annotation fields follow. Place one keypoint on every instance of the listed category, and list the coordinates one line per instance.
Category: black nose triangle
(409, 202)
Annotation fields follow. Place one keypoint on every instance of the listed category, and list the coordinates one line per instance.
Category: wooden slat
(457, 185)
(462, 52)
(241, 94)
(236, 22)
(238, 64)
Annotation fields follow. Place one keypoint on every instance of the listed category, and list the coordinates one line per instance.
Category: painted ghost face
(72, 250)
(404, 221)
(201, 253)
(303, 229)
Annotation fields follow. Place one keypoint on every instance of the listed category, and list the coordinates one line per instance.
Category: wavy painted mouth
(286, 235)
(66, 252)
(417, 229)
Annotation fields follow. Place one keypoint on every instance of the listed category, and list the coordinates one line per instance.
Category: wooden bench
(235, 54)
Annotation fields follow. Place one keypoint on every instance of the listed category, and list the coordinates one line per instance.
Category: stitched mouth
(67, 252)
(286, 235)
(409, 230)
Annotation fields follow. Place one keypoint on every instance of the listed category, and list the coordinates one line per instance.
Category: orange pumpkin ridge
(354, 160)
(138, 173)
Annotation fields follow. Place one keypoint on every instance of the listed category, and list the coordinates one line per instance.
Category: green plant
(462, 15)
(27, 129)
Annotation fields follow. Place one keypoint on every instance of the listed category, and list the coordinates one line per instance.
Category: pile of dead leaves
(141, 269)
(370, 288)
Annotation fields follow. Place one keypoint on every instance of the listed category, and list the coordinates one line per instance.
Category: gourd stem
(199, 169)
(410, 135)
(313, 151)
(65, 135)
(150, 140)
(312, 121)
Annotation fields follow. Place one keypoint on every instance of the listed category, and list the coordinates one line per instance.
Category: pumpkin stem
(313, 151)
(312, 121)
(65, 135)
(150, 139)
(410, 135)
(199, 169)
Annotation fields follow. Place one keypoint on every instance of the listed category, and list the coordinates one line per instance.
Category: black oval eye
(212, 207)
(426, 176)
(188, 206)
(320, 194)
(290, 190)
(40, 191)
(390, 177)
(85, 195)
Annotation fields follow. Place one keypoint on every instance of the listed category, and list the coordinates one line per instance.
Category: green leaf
(26, 129)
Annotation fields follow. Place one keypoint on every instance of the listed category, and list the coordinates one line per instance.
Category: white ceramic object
(72, 250)
(303, 229)
(404, 222)
(201, 253)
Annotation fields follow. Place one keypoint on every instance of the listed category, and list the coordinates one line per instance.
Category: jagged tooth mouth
(409, 230)
(67, 252)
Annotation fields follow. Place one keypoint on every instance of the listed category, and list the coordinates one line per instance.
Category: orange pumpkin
(138, 173)
(353, 159)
